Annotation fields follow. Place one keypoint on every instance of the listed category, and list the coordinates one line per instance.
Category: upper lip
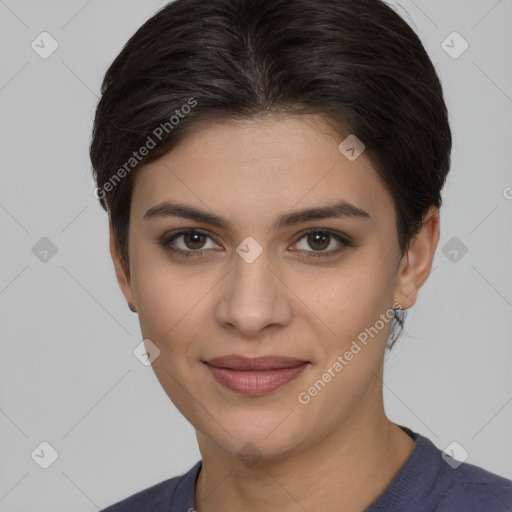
(236, 362)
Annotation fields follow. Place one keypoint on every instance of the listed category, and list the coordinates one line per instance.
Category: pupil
(194, 237)
(314, 240)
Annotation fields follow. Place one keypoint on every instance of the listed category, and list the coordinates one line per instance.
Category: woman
(272, 170)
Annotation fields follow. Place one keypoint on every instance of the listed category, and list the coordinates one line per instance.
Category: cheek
(352, 359)
(171, 313)
(357, 296)
(171, 302)
(353, 309)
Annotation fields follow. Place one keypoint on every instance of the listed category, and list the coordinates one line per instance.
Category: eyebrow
(341, 209)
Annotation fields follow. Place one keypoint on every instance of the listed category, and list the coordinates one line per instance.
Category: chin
(255, 435)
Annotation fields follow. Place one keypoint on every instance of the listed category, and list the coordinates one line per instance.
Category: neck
(343, 472)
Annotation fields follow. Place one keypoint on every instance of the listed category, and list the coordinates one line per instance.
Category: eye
(320, 240)
(192, 244)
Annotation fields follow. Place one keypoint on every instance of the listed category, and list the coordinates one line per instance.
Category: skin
(311, 308)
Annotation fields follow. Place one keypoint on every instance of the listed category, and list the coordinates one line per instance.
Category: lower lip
(255, 382)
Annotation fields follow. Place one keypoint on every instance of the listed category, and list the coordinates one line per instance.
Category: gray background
(68, 374)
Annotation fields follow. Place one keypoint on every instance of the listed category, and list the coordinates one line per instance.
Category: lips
(235, 362)
(255, 376)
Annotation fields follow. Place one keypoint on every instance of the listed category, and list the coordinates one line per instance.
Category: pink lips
(254, 376)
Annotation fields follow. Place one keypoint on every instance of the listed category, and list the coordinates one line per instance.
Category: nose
(254, 298)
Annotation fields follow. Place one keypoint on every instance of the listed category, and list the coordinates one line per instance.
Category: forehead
(257, 168)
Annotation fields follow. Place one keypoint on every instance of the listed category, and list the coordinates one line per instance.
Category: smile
(255, 376)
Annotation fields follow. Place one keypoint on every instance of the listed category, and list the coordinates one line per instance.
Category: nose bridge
(253, 298)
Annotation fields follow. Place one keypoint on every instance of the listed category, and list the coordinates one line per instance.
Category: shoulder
(157, 498)
(473, 488)
(431, 480)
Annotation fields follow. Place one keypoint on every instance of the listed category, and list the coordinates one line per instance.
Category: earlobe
(416, 263)
(122, 270)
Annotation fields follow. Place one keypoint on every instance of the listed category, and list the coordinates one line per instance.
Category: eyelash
(345, 241)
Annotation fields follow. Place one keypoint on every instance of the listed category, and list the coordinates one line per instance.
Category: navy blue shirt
(425, 483)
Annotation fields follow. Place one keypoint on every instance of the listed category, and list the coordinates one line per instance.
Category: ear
(122, 270)
(415, 266)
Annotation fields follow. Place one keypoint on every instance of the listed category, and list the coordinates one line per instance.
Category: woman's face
(255, 287)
